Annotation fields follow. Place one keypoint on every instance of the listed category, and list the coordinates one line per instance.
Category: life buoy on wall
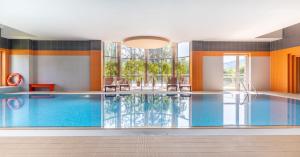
(14, 79)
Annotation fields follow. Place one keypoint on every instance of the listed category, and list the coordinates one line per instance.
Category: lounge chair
(183, 84)
(109, 84)
(172, 82)
(124, 83)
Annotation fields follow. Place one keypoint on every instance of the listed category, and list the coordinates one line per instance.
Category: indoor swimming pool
(147, 110)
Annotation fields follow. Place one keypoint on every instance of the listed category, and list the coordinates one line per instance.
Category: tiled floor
(152, 146)
(286, 95)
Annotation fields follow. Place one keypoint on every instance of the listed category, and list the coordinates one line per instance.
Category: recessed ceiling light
(146, 42)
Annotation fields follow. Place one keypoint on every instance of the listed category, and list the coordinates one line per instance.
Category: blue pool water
(147, 110)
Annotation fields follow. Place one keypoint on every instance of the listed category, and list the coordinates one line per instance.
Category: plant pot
(153, 83)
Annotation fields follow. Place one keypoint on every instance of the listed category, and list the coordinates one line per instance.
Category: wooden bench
(34, 86)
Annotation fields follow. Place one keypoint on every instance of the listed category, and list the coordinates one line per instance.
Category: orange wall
(197, 64)
(280, 76)
(95, 71)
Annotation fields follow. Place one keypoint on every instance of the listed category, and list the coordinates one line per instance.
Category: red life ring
(14, 79)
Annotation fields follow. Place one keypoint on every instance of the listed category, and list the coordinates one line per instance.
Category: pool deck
(151, 146)
(79, 132)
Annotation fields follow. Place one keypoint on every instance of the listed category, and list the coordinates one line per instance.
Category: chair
(109, 84)
(124, 83)
(182, 84)
(172, 82)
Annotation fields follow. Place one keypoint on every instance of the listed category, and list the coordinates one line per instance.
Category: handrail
(251, 87)
(247, 96)
(246, 90)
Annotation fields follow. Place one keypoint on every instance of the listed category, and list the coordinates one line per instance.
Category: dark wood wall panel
(230, 46)
(291, 38)
(22, 44)
(285, 43)
(60, 45)
(4, 43)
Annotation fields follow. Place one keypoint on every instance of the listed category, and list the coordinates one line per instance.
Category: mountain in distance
(231, 64)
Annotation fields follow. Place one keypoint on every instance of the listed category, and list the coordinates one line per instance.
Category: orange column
(196, 71)
(1, 51)
(5, 66)
(279, 71)
(96, 71)
(293, 73)
(298, 75)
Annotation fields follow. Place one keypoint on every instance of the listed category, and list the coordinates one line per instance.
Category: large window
(110, 60)
(183, 65)
(132, 64)
(162, 61)
(147, 68)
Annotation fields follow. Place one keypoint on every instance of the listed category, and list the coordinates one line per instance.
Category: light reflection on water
(147, 110)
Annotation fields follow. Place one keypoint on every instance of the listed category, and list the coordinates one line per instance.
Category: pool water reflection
(147, 110)
(132, 111)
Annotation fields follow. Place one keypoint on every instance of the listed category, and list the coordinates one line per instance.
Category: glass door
(235, 72)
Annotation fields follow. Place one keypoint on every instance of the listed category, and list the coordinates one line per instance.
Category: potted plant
(140, 69)
(129, 70)
(110, 68)
(138, 82)
(182, 67)
(154, 70)
(166, 69)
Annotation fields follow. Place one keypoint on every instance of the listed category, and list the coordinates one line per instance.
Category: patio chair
(109, 84)
(124, 83)
(172, 82)
(183, 84)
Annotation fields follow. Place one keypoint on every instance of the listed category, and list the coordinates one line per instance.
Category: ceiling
(178, 20)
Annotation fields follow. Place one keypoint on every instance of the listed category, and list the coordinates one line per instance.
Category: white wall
(260, 73)
(20, 64)
(69, 73)
(212, 73)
